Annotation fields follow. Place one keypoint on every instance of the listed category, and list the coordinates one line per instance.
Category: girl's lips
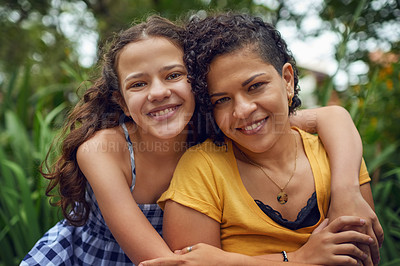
(253, 128)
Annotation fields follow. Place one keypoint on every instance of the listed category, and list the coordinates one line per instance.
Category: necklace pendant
(282, 197)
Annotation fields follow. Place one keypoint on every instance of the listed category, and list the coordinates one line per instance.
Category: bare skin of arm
(344, 147)
(108, 173)
(184, 227)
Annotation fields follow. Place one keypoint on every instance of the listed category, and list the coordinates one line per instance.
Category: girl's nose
(158, 92)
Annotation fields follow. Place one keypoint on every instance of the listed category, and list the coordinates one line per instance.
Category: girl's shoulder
(109, 142)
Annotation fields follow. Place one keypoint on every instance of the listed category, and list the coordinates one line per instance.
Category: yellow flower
(389, 84)
(360, 102)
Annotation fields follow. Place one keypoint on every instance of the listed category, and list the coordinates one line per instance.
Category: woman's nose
(243, 108)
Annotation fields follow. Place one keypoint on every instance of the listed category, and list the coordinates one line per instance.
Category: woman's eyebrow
(217, 94)
(247, 81)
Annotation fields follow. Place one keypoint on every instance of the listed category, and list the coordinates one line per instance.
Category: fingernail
(362, 221)
(370, 240)
(364, 256)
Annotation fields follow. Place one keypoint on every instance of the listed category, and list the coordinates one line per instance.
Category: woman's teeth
(253, 126)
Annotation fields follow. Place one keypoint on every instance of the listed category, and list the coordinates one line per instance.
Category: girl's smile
(155, 89)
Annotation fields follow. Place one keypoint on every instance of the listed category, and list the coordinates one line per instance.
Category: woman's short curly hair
(221, 34)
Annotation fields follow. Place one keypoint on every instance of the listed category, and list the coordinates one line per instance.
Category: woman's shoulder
(207, 147)
(206, 152)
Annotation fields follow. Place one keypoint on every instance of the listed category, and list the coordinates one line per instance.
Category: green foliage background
(40, 74)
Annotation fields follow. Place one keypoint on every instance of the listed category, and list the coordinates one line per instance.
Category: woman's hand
(330, 245)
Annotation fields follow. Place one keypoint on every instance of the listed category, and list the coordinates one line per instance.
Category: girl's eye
(137, 85)
(222, 100)
(174, 76)
(256, 86)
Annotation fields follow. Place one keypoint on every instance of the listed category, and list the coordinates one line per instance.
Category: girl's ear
(288, 78)
(121, 102)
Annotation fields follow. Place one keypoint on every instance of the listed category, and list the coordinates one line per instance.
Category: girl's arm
(344, 147)
(103, 169)
(184, 227)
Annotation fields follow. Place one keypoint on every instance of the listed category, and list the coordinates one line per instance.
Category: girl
(258, 186)
(122, 143)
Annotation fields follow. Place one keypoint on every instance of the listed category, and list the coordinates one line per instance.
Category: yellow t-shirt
(207, 180)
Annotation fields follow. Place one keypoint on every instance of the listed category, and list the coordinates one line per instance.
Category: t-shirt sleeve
(193, 185)
(364, 176)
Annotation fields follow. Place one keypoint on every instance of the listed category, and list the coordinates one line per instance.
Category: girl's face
(153, 82)
(250, 98)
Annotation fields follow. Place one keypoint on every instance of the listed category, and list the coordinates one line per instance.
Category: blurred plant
(374, 108)
(26, 131)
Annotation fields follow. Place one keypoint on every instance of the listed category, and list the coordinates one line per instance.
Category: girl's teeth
(163, 112)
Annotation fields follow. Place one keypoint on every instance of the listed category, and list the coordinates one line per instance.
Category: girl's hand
(330, 245)
(360, 205)
(199, 254)
(203, 254)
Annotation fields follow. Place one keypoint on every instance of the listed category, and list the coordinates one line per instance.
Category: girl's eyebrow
(247, 81)
(138, 75)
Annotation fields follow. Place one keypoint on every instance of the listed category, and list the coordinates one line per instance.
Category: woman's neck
(278, 157)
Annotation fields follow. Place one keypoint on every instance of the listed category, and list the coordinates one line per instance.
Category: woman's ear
(288, 78)
(121, 102)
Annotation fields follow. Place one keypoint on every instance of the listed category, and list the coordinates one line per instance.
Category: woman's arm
(344, 147)
(103, 168)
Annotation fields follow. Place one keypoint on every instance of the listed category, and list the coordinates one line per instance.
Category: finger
(374, 246)
(352, 236)
(321, 226)
(341, 222)
(158, 262)
(344, 260)
(350, 249)
(378, 231)
(179, 252)
(367, 261)
(184, 250)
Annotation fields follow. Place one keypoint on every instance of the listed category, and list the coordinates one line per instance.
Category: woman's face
(153, 82)
(250, 98)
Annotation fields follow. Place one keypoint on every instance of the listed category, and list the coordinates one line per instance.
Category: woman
(259, 186)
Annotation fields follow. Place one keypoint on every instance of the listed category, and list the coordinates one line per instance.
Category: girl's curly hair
(225, 33)
(98, 109)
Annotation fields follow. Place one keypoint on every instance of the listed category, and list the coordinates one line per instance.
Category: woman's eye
(221, 100)
(174, 76)
(255, 86)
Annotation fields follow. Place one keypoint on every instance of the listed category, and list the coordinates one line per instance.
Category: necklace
(282, 196)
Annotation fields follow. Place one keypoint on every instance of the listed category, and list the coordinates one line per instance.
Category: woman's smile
(253, 127)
